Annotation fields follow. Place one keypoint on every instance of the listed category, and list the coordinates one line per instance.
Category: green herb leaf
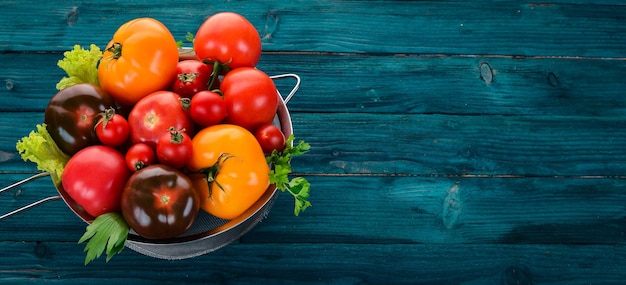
(40, 148)
(189, 37)
(80, 65)
(281, 169)
(299, 187)
(108, 232)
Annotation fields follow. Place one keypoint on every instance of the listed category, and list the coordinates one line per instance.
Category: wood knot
(452, 208)
(41, 250)
(553, 80)
(516, 274)
(271, 24)
(72, 16)
(486, 72)
(8, 84)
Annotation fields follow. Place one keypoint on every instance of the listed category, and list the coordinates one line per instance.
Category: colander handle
(295, 87)
(24, 181)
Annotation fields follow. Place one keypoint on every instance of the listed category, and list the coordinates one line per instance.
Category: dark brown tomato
(159, 202)
(72, 113)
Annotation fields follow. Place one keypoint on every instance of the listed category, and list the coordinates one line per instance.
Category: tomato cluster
(161, 137)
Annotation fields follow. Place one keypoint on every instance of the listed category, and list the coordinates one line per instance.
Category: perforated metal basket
(208, 233)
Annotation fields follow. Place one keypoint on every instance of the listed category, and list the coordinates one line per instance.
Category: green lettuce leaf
(40, 148)
(80, 65)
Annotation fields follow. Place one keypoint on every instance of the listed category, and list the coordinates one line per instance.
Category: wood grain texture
(453, 142)
(313, 263)
(437, 27)
(391, 210)
(394, 84)
(439, 145)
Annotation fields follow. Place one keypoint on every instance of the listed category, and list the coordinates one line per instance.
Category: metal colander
(208, 233)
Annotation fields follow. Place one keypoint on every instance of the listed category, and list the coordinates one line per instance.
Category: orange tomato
(140, 59)
(233, 171)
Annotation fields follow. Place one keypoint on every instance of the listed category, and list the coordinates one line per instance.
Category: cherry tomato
(94, 177)
(140, 59)
(72, 113)
(228, 38)
(159, 202)
(235, 172)
(139, 156)
(251, 97)
(174, 148)
(270, 138)
(153, 116)
(112, 129)
(192, 76)
(207, 108)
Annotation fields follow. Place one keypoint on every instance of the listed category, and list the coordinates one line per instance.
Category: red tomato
(174, 148)
(112, 129)
(139, 156)
(207, 108)
(153, 116)
(228, 38)
(95, 177)
(251, 97)
(159, 202)
(192, 76)
(270, 138)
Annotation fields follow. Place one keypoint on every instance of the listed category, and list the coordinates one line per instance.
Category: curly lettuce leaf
(40, 148)
(80, 65)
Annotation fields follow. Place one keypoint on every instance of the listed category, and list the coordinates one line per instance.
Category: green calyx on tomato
(116, 50)
(72, 113)
(211, 173)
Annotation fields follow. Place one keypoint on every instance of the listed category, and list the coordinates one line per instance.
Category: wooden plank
(434, 210)
(393, 210)
(326, 264)
(394, 84)
(457, 27)
(438, 145)
(461, 145)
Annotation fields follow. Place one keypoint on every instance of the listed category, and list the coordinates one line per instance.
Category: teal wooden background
(453, 142)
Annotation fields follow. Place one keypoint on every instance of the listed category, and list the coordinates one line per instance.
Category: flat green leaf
(108, 232)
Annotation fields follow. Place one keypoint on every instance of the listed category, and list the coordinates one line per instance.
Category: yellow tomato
(140, 59)
(233, 171)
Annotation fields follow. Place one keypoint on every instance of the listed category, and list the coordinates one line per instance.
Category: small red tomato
(270, 138)
(192, 76)
(207, 108)
(112, 129)
(174, 148)
(139, 156)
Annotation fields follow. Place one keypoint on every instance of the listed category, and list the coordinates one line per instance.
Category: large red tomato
(95, 177)
(228, 38)
(155, 114)
(251, 97)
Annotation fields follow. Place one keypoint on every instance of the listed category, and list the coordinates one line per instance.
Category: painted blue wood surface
(453, 142)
